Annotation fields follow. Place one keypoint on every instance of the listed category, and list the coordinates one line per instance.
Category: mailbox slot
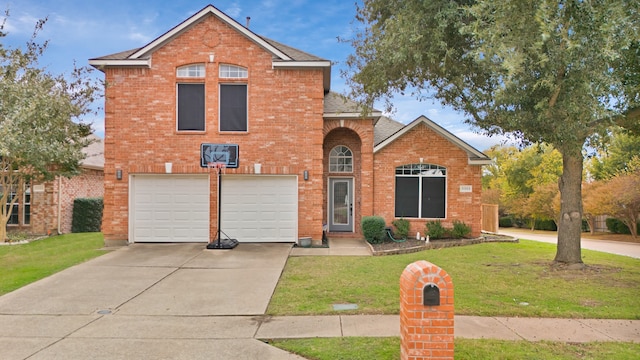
(431, 295)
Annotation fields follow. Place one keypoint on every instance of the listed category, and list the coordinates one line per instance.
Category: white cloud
(139, 37)
(234, 10)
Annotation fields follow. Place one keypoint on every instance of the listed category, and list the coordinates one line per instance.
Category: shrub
(87, 215)
(402, 227)
(505, 221)
(460, 229)
(616, 226)
(373, 229)
(545, 225)
(435, 230)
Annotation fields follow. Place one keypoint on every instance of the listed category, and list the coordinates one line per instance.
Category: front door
(341, 204)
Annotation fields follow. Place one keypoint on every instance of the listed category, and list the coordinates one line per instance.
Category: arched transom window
(341, 159)
(191, 71)
(421, 191)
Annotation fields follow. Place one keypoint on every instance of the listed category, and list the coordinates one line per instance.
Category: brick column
(426, 312)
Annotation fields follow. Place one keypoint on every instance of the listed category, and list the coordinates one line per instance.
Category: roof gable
(283, 56)
(476, 157)
(208, 10)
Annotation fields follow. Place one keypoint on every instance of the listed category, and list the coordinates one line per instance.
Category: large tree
(41, 135)
(615, 156)
(543, 71)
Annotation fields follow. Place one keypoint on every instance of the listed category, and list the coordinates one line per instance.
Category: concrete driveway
(153, 301)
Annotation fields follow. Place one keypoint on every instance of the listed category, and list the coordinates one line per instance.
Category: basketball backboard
(219, 153)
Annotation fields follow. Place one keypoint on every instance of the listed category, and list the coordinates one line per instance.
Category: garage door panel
(260, 208)
(170, 208)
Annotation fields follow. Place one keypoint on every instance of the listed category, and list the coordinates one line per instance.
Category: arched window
(421, 191)
(233, 72)
(341, 159)
(191, 71)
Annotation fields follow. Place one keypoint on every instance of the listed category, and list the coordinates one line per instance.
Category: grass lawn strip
(24, 264)
(389, 349)
(495, 279)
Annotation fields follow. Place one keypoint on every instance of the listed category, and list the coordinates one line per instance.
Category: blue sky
(78, 30)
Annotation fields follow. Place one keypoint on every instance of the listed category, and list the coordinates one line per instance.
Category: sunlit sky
(78, 30)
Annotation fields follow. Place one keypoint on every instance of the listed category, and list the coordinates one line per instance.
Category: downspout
(59, 204)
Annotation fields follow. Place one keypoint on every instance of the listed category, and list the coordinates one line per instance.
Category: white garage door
(260, 208)
(169, 208)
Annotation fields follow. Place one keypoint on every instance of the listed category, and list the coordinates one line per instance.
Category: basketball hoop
(220, 166)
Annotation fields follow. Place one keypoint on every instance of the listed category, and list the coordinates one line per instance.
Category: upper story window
(190, 109)
(233, 99)
(233, 72)
(421, 191)
(190, 98)
(341, 159)
(191, 71)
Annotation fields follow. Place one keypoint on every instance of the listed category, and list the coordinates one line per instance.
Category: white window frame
(421, 171)
(339, 153)
(228, 71)
(191, 71)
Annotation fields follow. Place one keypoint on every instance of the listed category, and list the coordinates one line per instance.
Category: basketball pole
(228, 243)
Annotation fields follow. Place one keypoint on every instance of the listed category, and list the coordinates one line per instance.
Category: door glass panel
(341, 203)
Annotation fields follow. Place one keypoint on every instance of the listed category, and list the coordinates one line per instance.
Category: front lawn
(494, 279)
(24, 264)
(354, 348)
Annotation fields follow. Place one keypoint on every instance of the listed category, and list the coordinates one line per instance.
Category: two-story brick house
(307, 158)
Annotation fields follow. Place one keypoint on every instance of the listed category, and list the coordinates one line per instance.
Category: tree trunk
(3, 228)
(570, 223)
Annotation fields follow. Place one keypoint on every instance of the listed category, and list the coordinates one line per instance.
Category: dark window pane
(191, 107)
(407, 197)
(14, 218)
(233, 107)
(27, 214)
(433, 197)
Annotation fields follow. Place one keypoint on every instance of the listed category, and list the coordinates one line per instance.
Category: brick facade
(285, 122)
(423, 143)
(47, 201)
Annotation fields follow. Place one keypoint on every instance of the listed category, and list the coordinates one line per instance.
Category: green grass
(491, 279)
(24, 264)
(389, 349)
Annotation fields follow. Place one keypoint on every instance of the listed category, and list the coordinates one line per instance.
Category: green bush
(545, 225)
(460, 229)
(87, 215)
(402, 227)
(505, 221)
(435, 230)
(373, 229)
(616, 226)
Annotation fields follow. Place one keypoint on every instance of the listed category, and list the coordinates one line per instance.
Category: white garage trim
(169, 208)
(260, 208)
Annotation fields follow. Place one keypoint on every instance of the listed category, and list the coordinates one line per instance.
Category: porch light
(118, 174)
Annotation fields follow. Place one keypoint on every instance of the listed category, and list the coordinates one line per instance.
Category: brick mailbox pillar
(426, 312)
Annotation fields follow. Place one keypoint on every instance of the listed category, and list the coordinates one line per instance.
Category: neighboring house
(308, 159)
(47, 208)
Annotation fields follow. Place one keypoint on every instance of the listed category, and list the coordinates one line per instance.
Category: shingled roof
(338, 105)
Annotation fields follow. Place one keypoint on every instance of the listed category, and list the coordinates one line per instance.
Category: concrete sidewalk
(181, 301)
(470, 327)
(607, 246)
